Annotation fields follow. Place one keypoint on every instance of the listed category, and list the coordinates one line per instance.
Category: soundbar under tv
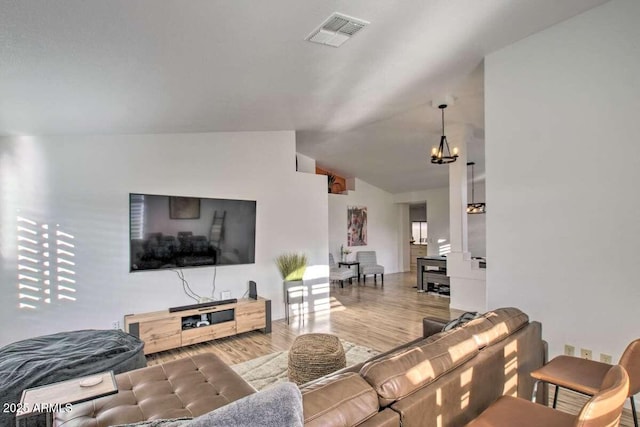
(202, 305)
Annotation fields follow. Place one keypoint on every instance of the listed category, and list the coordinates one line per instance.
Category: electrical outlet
(569, 350)
(225, 294)
(115, 324)
(586, 354)
(605, 358)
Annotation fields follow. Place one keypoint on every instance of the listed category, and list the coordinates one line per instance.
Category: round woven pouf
(315, 355)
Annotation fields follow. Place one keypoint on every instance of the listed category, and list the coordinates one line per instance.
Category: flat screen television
(169, 232)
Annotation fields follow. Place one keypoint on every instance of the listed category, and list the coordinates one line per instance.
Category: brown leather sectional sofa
(445, 379)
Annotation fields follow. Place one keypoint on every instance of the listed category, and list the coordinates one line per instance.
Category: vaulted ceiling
(160, 66)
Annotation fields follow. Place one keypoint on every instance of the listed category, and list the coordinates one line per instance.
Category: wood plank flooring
(373, 316)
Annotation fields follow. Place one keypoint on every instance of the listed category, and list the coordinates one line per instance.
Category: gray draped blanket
(63, 356)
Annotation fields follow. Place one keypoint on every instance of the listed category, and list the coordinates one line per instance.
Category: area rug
(272, 368)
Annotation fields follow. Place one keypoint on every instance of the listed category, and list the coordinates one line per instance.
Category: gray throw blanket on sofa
(63, 356)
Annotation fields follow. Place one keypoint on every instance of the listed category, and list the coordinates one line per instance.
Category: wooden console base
(161, 330)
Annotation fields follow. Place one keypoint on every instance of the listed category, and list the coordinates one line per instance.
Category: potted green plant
(292, 267)
(331, 179)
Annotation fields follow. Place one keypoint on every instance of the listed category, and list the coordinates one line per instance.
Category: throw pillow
(464, 318)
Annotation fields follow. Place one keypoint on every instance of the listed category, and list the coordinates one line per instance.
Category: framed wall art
(184, 207)
(356, 225)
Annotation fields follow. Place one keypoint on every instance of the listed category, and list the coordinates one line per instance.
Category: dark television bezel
(192, 266)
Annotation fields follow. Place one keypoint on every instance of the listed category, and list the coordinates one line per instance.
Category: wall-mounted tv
(180, 232)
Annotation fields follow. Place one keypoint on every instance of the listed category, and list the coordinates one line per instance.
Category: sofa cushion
(482, 331)
(405, 371)
(496, 325)
(338, 400)
(510, 317)
(385, 418)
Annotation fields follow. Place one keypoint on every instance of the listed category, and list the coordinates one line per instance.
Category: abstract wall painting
(356, 225)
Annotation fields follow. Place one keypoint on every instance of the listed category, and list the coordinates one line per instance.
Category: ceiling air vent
(336, 30)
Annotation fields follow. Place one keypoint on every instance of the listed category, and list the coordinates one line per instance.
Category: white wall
(437, 201)
(80, 185)
(383, 233)
(305, 163)
(563, 167)
(404, 245)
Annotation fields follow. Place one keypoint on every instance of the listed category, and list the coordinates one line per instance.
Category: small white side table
(55, 397)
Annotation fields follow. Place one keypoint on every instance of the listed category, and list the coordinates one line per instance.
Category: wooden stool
(313, 356)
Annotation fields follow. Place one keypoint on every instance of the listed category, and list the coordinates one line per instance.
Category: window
(137, 215)
(419, 232)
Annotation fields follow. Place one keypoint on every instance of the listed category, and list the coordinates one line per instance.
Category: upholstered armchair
(369, 265)
(585, 376)
(602, 410)
(339, 274)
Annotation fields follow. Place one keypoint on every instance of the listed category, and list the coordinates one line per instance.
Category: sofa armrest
(432, 325)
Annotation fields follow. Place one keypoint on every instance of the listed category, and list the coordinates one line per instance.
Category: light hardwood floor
(373, 316)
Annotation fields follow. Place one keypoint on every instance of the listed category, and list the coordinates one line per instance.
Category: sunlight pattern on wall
(46, 269)
(443, 247)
